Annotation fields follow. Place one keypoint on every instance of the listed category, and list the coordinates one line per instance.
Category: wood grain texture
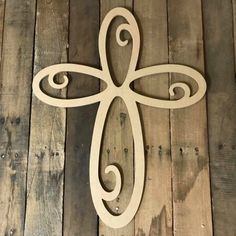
(45, 177)
(220, 69)
(191, 188)
(61, 29)
(155, 213)
(15, 90)
(2, 15)
(79, 214)
(117, 144)
(130, 98)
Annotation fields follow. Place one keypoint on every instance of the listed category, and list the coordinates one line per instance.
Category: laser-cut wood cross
(130, 98)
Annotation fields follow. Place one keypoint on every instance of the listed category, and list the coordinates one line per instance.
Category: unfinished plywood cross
(130, 98)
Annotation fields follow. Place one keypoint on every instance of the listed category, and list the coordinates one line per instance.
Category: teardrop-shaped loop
(131, 27)
(99, 194)
(51, 71)
(185, 101)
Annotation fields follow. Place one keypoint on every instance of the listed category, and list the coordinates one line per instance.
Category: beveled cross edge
(130, 98)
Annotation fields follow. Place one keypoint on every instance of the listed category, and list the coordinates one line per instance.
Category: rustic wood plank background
(155, 213)
(79, 213)
(190, 185)
(220, 29)
(191, 189)
(47, 128)
(15, 96)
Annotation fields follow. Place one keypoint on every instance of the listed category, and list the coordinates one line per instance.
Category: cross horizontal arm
(51, 71)
(185, 101)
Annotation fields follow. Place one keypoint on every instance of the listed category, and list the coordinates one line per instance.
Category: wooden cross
(130, 98)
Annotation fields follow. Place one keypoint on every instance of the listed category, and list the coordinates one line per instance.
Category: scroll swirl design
(130, 98)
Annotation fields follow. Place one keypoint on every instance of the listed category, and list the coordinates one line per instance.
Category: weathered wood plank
(2, 14)
(234, 24)
(117, 144)
(79, 214)
(155, 213)
(15, 90)
(46, 154)
(220, 71)
(191, 188)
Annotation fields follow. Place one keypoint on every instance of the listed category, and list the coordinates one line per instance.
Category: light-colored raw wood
(45, 176)
(130, 98)
(191, 188)
(117, 143)
(80, 217)
(154, 216)
(15, 90)
(221, 100)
